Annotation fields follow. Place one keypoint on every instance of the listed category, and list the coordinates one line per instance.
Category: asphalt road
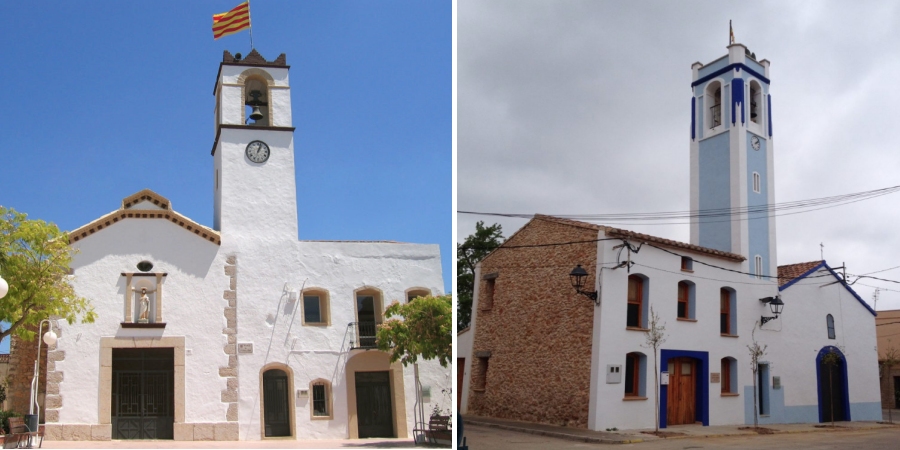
(482, 438)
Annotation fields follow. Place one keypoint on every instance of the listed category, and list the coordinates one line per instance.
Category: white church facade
(715, 296)
(238, 331)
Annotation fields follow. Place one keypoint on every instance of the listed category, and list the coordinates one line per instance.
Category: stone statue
(145, 306)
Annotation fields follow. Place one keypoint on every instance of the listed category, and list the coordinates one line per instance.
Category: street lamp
(578, 277)
(4, 287)
(775, 304)
(49, 338)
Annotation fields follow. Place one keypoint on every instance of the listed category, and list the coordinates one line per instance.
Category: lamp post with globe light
(49, 338)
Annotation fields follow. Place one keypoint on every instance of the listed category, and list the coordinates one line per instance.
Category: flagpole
(251, 25)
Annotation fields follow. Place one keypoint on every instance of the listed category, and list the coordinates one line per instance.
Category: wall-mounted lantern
(578, 276)
(775, 304)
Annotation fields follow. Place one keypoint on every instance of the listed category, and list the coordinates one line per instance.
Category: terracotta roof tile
(617, 232)
(789, 272)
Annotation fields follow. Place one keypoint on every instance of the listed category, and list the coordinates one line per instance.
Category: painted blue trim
(769, 103)
(693, 115)
(846, 399)
(702, 390)
(836, 277)
(737, 96)
(728, 68)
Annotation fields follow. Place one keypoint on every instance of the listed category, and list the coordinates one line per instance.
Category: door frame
(702, 392)
(819, 381)
(292, 420)
(376, 361)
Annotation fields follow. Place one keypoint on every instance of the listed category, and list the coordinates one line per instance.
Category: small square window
(687, 264)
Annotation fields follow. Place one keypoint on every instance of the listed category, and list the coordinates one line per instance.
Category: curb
(556, 434)
(634, 439)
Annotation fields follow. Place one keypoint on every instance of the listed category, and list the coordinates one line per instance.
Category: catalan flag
(232, 21)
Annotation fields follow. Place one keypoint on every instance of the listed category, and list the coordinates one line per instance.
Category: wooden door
(460, 373)
(373, 404)
(682, 391)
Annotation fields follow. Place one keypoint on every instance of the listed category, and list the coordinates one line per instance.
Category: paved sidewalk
(672, 432)
(281, 443)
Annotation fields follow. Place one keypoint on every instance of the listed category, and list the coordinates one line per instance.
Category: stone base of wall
(223, 431)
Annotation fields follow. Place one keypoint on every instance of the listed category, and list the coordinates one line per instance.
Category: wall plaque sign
(245, 347)
(714, 377)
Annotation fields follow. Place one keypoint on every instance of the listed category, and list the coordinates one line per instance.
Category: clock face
(755, 143)
(257, 151)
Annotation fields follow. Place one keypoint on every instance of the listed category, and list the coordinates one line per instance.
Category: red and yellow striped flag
(232, 21)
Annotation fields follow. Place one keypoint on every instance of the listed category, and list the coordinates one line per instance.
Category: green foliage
(468, 254)
(426, 330)
(34, 260)
(2, 393)
(4, 419)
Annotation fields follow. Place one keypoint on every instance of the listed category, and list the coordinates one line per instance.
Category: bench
(19, 435)
(439, 428)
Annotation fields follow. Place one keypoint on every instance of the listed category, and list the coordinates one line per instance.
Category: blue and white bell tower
(732, 158)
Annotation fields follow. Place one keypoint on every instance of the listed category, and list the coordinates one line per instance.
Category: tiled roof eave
(617, 232)
(122, 214)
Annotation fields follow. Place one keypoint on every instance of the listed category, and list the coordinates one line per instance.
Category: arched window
(635, 375)
(414, 293)
(256, 101)
(369, 313)
(756, 183)
(320, 394)
(729, 376)
(686, 309)
(727, 312)
(829, 321)
(316, 307)
(714, 102)
(755, 102)
(636, 316)
(759, 266)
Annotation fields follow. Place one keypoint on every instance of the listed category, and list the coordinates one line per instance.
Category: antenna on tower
(875, 299)
(822, 251)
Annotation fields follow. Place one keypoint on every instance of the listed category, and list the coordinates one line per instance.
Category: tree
(426, 330)
(756, 352)
(891, 359)
(468, 254)
(655, 337)
(34, 260)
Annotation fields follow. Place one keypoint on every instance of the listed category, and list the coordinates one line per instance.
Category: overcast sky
(571, 107)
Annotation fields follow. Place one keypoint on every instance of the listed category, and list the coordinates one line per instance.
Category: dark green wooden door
(373, 404)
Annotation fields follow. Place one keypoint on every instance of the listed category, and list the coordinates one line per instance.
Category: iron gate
(275, 403)
(143, 397)
(373, 404)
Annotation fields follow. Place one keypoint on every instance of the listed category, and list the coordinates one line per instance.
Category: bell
(256, 115)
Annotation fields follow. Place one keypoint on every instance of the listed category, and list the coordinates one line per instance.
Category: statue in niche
(145, 307)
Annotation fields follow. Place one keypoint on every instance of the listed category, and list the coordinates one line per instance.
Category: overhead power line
(727, 214)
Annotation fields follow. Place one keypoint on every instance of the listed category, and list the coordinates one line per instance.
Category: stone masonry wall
(230, 372)
(21, 372)
(539, 330)
(887, 387)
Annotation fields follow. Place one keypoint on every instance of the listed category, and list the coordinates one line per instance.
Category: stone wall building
(239, 330)
(887, 324)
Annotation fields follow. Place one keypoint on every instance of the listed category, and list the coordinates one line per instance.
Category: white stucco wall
(192, 307)
(799, 331)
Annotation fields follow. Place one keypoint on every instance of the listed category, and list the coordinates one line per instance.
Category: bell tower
(253, 152)
(732, 172)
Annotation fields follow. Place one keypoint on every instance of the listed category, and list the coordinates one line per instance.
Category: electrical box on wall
(613, 374)
(776, 382)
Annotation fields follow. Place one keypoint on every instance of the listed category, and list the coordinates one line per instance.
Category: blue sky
(105, 98)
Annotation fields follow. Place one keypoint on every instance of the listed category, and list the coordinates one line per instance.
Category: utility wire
(742, 213)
